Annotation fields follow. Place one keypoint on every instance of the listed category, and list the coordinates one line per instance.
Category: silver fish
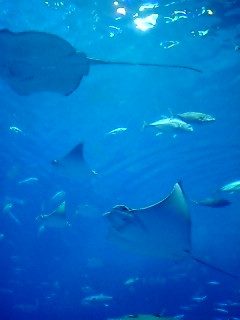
(96, 299)
(59, 196)
(193, 117)
(28, 181)
(170, 125)
(114, 131)
(231, 187)
(213, 202)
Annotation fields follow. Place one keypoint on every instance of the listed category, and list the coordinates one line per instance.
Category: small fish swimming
(59, 196)
(213, 282)
(221, 310)
(198, 299)
(170, 125)
(213, 202)
(231, 187)
(114, 131)
(28, 181)
(100, 298)
(143, 317)
(193, 117)
(15, 129)
(131, 280)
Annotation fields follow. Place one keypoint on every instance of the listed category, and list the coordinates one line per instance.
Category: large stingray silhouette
(37, 61)
(162, 230)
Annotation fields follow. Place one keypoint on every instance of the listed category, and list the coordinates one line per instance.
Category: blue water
(46, 275)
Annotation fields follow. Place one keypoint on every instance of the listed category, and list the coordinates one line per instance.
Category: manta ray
(161, 230)
(73, 164)
(57, 219)
(34, 61)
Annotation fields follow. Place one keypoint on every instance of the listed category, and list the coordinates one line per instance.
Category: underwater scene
(120, 159)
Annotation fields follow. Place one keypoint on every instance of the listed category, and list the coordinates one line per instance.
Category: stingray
(73, 164)
(35, 61)
(161, 230)
(57, 219)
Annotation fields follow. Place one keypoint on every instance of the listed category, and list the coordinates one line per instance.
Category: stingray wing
(73, 163)
(57, 219)
(37, 61)
(163, 229)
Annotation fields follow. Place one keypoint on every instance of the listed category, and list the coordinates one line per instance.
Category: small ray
(162, 230)
(35, 61)
(57, 219)
(73, 164)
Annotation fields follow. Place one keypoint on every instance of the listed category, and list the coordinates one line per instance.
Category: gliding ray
(162, 230)
(73, 164)
(35, 61)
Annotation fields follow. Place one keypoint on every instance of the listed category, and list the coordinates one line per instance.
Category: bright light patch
(148, 6)
(146, 23)
(115, 3)
(210, 12)
(121, 11)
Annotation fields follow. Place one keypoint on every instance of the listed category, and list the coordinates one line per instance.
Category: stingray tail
(214, 268)
(98, 61)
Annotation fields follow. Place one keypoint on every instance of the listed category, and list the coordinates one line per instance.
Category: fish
(57, 219)
(193, 117)
(231, 187)
(143, 317)
(28, 308)
(221, 310)
(169, 125)
(213, 282)
(15, 129)
(131, 280)
(198, 299)
(59, 196)
(28, 181)
(34, 61)
(114, 131)
(213, 202)
(73, 164)
(161, 230)
(15, 200)
(100, 298)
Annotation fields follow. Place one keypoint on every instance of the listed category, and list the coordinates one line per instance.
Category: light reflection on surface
(146, 23)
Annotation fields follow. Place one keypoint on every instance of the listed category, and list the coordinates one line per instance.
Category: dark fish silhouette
(73, 164)
(213, 202)
(37, 61)
(162, 230)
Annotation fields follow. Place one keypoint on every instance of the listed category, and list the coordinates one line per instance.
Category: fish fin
(144, 125)
(171, 113)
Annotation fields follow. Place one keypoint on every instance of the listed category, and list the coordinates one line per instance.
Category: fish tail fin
(171, 113)
(212, 267)
(144, 125)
